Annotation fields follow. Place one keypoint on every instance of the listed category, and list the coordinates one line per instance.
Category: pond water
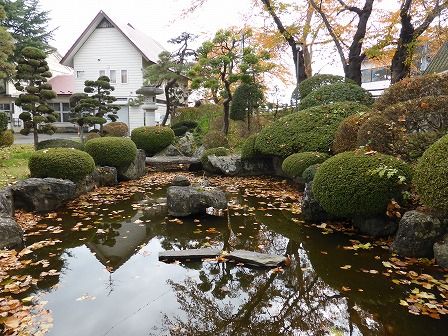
(109, 280)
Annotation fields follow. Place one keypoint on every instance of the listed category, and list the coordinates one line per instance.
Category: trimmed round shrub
(431, 176)
(6, 138)
(60, 143)
(180, 131)
(338, 92)
(215, 139)
(92, 135)
(248, 149)
(412, 88)
(310, 172)
(112, 151)
(190, 124)
(64, 163)
(3, 121)
(347, 133)
(116, 129)
(311, 130)
(360, 183)
(413, 145)
(313, 83)
(294, 165)
(377, 133)
(152, 139)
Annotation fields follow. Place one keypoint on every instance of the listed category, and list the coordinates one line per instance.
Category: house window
(102, 73)
(113, 76)
(5, 108)
(124, 76)
(80, 74)
(375, 75)
(56, 108)
(66, 112)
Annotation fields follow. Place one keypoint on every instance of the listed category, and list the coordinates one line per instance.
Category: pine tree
(32, 73)
(247, 98)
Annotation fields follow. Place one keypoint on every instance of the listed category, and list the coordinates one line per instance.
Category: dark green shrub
(315, 82)
(190, 124)
(116, 129)
(338, 92)
(412, 146)
(294, 165)
(377, 133)
(6, 138)
(219, 151)
(347, 133)
(60, 143)
(215, 139)
(180, 131)
(92, 135)
(203, 115)
(360, 183)
(311, 130)
(248, 149)
(431, 176)
(413, 88)
(152, 139)
(3, 121)
(309, 173)
(112, 151)
(64, 163)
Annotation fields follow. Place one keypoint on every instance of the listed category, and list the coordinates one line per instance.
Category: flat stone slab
(171, 160)
(256, 259)
(193, 254)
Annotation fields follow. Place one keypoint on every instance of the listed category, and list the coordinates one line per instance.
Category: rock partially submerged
(105, 176)
(379, 226)
(6, 202)
(234, 165)
(180, 181)
(135, 170)
(164, 163)
(186, 201)
(11, 234)
(312, 211)
(441, 251)
(256, 259)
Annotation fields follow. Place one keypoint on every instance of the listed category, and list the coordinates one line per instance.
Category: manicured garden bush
(64, 163)
(116, 129)
(413, 88)
(315, 82)
(338, 92)
(60, 143)
(152, 139)
(360, 183)
(182, 127)
(112, 151)
(311, 130)
(92, 135)
(309, 173)
(6, 138)
(180, 131)
(431, 176)
(3, 121)
(294, 165)
(377, 133)
(215, 139)
(347, 133)
(248, 149)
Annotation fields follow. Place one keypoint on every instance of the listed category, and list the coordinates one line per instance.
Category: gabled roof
(148, 47)
(440, 61)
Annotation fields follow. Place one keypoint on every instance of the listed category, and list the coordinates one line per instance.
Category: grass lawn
(14, 163)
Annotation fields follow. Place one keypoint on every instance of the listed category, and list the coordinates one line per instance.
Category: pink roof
(63, 84)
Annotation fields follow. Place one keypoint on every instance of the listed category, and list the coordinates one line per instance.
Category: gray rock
(230, 165)
(180, 181)
(85, 185)
(164, 163)
(169, 151)
(186, 145)
(193, 254)
(417, 233)
(6, 202)
(441, 251)
(105, 176)
(312, 211)
(136, 169)
(42, 195)
(11, 234)
(199, 152)
(379, 226)
(186, 201)
(256, 259)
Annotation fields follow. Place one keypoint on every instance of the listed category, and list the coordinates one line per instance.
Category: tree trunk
(225, 125)
(35, 135)
(81, 133)
(353, 69)
(169, 105)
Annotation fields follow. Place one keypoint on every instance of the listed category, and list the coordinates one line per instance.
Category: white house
(120, 52)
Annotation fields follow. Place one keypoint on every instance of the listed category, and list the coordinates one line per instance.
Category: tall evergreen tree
(28, 25)
(6, 49)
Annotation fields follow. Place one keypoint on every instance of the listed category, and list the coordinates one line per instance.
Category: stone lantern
(149, 103)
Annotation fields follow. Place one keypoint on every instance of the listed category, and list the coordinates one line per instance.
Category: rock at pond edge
(11, 234)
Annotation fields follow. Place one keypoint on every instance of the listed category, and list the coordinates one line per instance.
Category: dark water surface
(111, 282)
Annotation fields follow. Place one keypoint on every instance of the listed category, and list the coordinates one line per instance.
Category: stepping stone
(256, 259)
(194, 254)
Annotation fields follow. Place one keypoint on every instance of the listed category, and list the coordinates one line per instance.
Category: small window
(113, 76)
(102, 73)
(124, 76)
(366, 75)
(80, 74)
(5, 107)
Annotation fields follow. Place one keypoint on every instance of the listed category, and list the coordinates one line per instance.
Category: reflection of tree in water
(229, 300)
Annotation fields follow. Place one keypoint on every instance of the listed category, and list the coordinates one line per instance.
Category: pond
(98, 270)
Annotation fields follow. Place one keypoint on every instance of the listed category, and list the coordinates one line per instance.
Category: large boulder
(105, 176)
(180, 181)
(169, 151)
(378, 226)
(441, 251)
(417, 233)
(186, 145)
(234, 165)
(312, 211)
(186, 201)
(11, 234)
(229, 165)
(199, 152)
(135, 170)
(42, 195)
(6, 202)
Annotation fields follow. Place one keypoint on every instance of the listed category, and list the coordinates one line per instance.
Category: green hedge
(6, 138)
(248, 149)
(338, 92)
(311, 130)
(346, 136)
(353, 184)
(112, 151)
(294, 165)
(64, 163)
(3, 121)
(317, 81)
(152, 139)
(116, 129)
(431, 176)
(60, 143)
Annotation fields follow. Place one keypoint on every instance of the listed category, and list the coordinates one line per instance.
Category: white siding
(107, 49)
(136, 117)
